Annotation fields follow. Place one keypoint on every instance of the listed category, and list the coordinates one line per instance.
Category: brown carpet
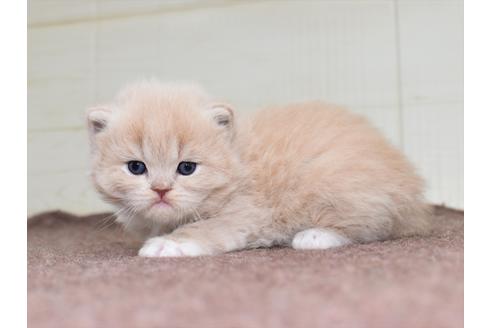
(80, 275)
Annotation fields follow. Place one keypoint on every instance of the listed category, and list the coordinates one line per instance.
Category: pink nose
(160, 192)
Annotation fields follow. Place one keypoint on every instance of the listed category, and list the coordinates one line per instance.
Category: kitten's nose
(160, 192)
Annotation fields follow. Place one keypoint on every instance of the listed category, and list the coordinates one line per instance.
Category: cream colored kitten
(195, 181)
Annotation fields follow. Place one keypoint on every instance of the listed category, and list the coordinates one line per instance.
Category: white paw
(318, 239)
(164, 247)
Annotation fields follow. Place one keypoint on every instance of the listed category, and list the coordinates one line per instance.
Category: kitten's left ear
(223, 116)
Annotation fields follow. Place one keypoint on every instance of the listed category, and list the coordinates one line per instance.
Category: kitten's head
(162, 153)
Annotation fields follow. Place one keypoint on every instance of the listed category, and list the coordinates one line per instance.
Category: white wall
(400, 63)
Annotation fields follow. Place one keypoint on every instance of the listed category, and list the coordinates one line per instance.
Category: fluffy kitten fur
(308, 175)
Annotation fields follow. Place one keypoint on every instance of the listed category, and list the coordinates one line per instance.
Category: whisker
(108, 221)
(197, 215)
(131, 212)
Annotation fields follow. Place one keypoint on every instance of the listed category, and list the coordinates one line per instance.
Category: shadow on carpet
(84, 272)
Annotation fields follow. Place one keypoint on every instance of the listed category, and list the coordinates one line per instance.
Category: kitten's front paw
(164, 247)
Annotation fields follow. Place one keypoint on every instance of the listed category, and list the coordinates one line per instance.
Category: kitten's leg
(207, 237)
(319, 238)
(230, 231)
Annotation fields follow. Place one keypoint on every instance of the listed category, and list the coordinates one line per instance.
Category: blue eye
(186, 168)
(136, 167)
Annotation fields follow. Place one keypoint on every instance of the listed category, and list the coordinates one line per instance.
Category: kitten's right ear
(223, 116)
(97, 119)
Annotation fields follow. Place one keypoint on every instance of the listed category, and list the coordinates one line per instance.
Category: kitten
(185, 173)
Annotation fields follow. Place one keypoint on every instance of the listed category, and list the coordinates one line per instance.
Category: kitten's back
(321, 161)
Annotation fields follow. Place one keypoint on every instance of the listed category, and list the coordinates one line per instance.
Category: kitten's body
(307, 175)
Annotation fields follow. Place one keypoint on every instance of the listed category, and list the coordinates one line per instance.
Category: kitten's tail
(414, 221)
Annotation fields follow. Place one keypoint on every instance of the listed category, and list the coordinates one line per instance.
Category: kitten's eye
(186, 168)
(136, 167)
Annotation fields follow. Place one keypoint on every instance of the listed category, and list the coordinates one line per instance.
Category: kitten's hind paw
(165, 247)
(318, 238)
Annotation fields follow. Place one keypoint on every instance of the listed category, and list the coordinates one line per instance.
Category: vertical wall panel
(434, 140)
(431, 48)
(69, 190)
(60, 64)
(58, 172)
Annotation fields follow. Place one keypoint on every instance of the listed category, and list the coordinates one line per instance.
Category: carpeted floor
(82, 275)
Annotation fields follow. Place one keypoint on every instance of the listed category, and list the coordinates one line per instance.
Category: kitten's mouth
(161, 204)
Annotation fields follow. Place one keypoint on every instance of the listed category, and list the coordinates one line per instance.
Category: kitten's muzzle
(161, 192)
